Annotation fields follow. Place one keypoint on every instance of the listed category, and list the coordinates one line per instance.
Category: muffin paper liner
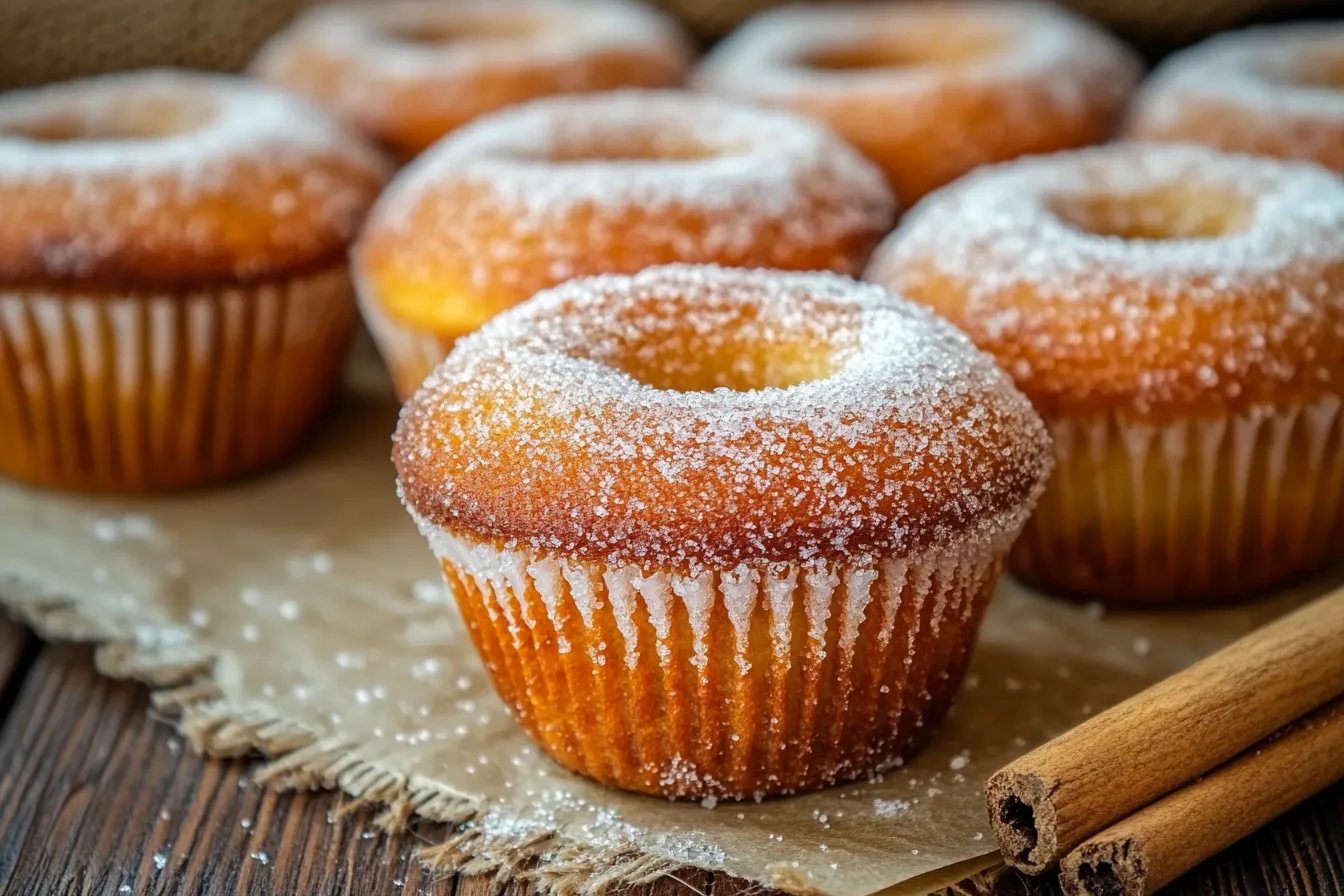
(409, 353)
(1197, 510)
(107, 392)
(764, 679)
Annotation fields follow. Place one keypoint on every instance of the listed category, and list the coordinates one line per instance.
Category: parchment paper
(300, 614)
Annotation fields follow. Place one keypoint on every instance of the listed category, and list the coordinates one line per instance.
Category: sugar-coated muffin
(409, 71)
(721, 533)
(929, 90)
(175, 303)
(1273, 90)
(612, 183)
(1177, 316)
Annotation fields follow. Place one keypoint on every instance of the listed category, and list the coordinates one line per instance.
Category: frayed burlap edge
(178, 669)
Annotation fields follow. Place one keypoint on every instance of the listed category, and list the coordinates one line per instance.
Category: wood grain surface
(96, 794)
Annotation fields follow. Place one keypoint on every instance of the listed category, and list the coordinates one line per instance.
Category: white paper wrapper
(410, 354)
(762, 679)
(108, 392)
(1192, 511)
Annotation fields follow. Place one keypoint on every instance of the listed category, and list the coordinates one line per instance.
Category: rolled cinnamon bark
(1049, 801)
(1160, 842)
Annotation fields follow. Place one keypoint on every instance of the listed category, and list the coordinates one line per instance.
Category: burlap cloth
(301, 616)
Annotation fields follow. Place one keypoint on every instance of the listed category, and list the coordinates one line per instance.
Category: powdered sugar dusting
(1244, 251)
(692, 415)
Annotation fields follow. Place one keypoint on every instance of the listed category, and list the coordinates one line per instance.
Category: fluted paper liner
(109, 392)
(748, 682)
(300, 614)
(409, 353)
(1194, 510)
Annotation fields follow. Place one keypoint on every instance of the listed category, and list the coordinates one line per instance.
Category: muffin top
(694, 416)
(1155, 280)
(613, 183)
(157, 178)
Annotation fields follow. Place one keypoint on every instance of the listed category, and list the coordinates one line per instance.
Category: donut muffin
(721, 533)
(174, 298)
(409, 71)
(1177, 316)
(930, 90)
(1272, 90)
(611, 183)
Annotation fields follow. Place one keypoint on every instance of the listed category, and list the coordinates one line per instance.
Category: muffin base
(410, 354)
(104, 392)
(765, 679)
(1191, 512)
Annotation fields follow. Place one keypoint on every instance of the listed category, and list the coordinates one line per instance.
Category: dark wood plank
(17, 649)
(95, 795)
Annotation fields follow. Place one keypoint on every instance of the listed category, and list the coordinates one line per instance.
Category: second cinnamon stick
(1049, 801)
(1160, 842)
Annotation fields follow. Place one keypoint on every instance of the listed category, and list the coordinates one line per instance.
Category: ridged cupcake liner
(133, 392)
(1193, 511)
(759, 680)
(409, 353)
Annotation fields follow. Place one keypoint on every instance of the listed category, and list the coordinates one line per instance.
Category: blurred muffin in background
(175, 302)
(410, 71)
(606, 183)
(1275, 91)
(931, 90)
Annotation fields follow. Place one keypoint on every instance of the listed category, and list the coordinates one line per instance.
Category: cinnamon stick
(1159, 843)
(1049, 801)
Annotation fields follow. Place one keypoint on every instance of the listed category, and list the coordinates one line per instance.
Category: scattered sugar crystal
(251, 632)
(261, 857)
(347, 659)
(246, 824)
(427, 591)
(199, 617)
(1142, 646)
(160, 860)
(890, 808)
(960, 761)
(288, 610)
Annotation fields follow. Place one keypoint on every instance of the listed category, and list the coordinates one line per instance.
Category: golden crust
(930, 91)
(163, 179)
(615, 183)
(694, 416)
(1154, 282)
(1271, 91)
(408, 72)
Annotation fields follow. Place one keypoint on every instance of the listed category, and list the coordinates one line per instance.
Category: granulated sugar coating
(410, 71)
(692, 416)
(163, 177)
(614, 183)
(1272, 90)
(1149, 280)
(930, 90)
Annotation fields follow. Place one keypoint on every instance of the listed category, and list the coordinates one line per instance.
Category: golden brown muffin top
(613, 183)
(410, 71)
(696, 415)
(164, 177)
(1155, 281)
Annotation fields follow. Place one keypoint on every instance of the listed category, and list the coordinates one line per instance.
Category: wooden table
(98, 797)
